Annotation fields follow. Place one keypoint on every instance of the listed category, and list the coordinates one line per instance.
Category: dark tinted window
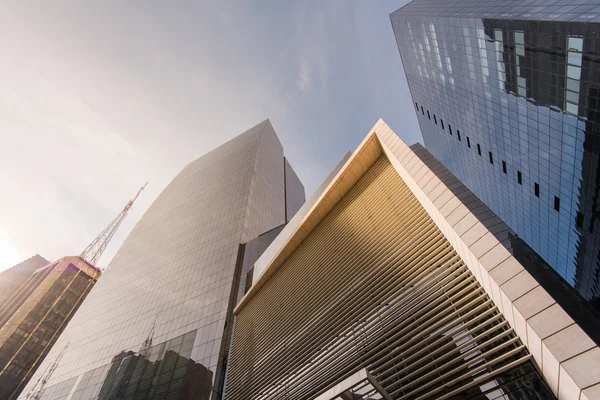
(579, 220)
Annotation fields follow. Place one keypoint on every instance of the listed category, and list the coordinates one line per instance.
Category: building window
(579, 220)
(478, 149)
(537, 189)
(519, 58)
(504, 166)
(416, 105)
(491, 158)
(435, 119)
(423, 111)
(428, 116)
(519, 177)
(468, 142)
(556, 203)
(450, 128)
(458, 134)
(574, 62)
(442, 122)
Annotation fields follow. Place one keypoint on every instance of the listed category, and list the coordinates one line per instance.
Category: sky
(99, 97)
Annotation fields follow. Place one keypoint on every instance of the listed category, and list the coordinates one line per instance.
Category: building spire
(94, 250)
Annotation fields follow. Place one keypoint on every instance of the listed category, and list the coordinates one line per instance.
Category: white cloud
(303, 81)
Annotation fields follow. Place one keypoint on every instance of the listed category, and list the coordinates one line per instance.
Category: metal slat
(375, 285)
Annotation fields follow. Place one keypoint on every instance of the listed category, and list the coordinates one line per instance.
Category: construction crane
(94, 251)
(37, 390)
(146, 347)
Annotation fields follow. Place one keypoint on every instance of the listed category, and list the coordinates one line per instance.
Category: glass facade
(507, 98)
(164, 370)
(12, 278)
(153, 326)
(34, 317)
(252, 250)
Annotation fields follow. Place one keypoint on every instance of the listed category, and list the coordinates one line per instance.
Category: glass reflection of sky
(522, 91)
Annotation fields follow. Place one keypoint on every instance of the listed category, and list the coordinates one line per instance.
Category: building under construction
(39, 300)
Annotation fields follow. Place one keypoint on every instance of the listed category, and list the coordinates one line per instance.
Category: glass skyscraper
(507, 96)
(155, 326)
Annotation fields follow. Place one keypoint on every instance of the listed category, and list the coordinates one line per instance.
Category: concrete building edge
(551, 369)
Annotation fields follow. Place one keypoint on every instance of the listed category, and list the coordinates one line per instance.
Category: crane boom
(94, 250)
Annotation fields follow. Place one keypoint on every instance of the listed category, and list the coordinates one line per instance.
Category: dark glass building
(12, 278)
(156, 325)
(35, 315)
(507, 97)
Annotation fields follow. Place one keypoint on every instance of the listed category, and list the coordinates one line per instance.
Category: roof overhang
(305, 221)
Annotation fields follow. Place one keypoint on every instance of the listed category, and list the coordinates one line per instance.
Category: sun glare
(8, 255)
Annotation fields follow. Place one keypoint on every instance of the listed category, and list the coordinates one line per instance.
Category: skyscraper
(36, 313)
(12, 278)
(159, 312)
(397, 282)
(507, 97)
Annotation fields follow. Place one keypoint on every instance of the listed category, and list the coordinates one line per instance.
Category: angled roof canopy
(475, 232)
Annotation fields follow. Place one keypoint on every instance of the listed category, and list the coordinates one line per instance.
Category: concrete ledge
(533, 302)
(559, 347)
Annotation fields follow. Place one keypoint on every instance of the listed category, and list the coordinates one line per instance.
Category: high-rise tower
(34, 316)
(153, 325)
(507, 97)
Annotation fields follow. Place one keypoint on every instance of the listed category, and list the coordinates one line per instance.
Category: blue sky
(100, 97)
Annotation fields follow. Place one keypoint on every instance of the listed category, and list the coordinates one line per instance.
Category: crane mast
(94, 250)
(38, 389)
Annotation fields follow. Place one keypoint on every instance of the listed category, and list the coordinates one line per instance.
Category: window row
(536, 187)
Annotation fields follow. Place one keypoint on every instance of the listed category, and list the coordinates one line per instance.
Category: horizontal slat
(375, 285)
